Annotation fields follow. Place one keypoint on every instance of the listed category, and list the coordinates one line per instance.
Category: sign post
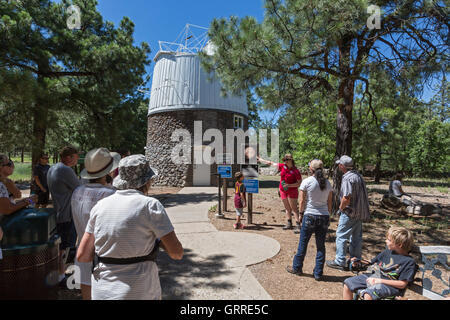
(219, 211)
(225, 172)
(251, 187)
(251, 183)
(225, 195)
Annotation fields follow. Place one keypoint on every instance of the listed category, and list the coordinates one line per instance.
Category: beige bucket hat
(99, 162)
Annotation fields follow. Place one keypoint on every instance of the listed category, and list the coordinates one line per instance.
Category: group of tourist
(115, 226)
(313, 213)
(117, 229)
(396, 267)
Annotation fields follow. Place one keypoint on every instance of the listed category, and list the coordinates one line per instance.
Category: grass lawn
(22, 172)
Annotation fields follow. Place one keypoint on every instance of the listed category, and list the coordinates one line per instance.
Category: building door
(202, 175)
(202, 172)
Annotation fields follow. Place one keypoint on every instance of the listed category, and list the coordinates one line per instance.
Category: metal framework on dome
(192, 39)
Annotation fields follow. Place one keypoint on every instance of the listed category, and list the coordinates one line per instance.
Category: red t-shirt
(290, 176)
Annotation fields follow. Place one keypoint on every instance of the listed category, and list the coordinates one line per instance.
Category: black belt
(150, 257)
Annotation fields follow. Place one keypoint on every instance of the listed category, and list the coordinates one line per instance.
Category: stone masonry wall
(159, 144)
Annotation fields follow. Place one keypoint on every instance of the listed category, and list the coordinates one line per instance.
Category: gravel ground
(268, 219)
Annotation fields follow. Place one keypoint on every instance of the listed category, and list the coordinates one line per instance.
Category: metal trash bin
(30, 246)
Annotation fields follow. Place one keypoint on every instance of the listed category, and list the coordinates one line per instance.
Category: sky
(163, 20)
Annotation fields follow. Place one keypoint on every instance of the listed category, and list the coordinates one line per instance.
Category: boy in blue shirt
(392, 270)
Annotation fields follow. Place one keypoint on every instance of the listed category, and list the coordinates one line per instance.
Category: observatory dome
(180, 83)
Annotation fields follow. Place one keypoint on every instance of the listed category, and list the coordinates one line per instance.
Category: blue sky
(164, 19)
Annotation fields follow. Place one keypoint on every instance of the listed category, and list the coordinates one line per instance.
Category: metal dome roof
(180, 83)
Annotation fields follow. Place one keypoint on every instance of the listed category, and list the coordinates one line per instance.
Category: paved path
(214, 266)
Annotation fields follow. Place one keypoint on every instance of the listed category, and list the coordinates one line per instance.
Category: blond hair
(401, 237)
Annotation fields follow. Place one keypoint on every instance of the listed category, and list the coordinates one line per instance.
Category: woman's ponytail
(318, 174)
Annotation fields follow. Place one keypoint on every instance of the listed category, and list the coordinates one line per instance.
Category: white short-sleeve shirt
(126, 225)
(317, 200)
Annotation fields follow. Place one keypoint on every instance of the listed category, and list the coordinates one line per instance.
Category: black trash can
(30, 246)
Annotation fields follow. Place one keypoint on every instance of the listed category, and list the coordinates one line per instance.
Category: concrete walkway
(215, 263)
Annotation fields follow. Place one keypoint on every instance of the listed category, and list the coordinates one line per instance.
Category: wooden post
(225, 195)
(250, 208)
(220, 202)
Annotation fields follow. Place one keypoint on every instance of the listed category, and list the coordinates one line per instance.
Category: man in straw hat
(123, 234)
(353, 210)
(98, 164)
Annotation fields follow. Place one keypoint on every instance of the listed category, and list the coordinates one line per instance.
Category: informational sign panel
(225, 171)
(250, 171)
(224, 158)
(251, 185)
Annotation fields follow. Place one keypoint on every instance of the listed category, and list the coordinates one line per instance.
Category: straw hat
(99, 162)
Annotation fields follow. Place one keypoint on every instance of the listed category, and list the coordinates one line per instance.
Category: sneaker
(318, 279)
(292, 271)
(241, 226)
(236, 226)
(288, 226)
(334, 265)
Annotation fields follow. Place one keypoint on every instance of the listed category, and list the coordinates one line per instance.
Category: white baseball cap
(346, 161)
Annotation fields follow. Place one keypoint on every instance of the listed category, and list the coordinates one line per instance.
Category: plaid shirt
(353, 186)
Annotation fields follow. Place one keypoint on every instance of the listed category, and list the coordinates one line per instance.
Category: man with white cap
(98, 164)
(353, 210)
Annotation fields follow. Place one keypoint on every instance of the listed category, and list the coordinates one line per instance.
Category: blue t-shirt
(62, 181)
(394, 266)
(41, 172)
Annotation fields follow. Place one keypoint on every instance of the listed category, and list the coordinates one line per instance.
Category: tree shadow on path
(179, 278)
(172, 200)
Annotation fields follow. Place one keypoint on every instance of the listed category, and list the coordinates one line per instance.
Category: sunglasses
(9, 164)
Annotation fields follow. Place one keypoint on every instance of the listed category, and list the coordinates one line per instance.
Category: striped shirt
(84, 198)
(126, 225)
(353, 186)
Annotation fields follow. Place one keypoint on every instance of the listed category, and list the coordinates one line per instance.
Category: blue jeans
(319, 226)
(349, 230)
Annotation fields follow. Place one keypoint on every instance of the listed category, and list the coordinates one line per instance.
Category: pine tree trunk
(39, 126)
(378, 166)
(344, 133)
(344, 127)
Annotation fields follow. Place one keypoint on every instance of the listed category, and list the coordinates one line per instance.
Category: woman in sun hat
(98, 164)
(123, 235)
